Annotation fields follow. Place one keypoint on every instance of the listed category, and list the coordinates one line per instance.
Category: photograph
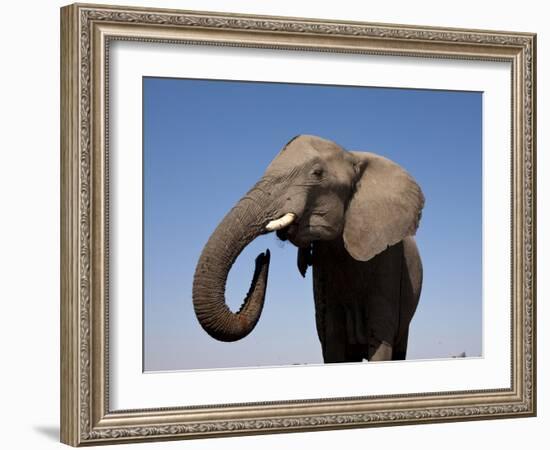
(356, 211)
(266, 225)
(275, 224)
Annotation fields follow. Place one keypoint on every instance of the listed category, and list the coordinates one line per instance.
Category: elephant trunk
(240, 226)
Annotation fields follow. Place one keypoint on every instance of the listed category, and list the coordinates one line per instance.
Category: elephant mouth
(288, 228)
(301, 234)
(281, 223)
(287, 233)
(284, 227)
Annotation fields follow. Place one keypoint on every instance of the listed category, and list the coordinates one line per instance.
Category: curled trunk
(240, 226)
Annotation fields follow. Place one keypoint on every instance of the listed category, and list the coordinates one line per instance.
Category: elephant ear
(384, 209)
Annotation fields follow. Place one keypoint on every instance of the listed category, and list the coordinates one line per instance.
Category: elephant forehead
(306, 147)
(293, 156)
(308, 139)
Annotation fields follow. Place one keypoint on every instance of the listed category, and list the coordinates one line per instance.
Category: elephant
(352, 216)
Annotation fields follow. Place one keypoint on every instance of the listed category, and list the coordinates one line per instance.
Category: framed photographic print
(278, 224)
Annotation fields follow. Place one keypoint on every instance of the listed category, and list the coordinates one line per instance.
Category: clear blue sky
(205, 145)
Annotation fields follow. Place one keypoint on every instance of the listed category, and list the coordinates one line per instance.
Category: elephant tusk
(280, 223)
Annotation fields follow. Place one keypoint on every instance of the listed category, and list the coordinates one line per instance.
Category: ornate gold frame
(86, 31)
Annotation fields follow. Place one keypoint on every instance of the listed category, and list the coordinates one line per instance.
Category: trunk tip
(264, 258)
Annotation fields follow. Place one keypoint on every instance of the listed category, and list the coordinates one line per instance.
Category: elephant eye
(317, 172)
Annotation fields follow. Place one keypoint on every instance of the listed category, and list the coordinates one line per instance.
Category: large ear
(384, 209)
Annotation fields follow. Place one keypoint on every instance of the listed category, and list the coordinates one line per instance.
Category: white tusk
(280, 223)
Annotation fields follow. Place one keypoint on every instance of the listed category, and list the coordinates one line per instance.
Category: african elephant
(352, 216)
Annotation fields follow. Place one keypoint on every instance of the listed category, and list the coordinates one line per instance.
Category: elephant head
(313, 190)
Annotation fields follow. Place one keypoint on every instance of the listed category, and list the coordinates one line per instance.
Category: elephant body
(363, 308)
(352, 216)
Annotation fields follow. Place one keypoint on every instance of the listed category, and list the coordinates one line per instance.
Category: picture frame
(87, 34)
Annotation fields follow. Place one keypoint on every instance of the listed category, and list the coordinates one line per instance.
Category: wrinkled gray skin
(356, 214)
